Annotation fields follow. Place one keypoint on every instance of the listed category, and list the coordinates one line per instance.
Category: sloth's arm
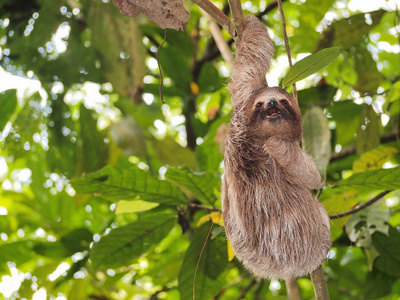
(294, 161)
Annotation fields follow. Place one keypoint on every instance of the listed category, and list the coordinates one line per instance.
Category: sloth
(277, 229)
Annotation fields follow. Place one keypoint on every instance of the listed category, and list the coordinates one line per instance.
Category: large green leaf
(369, 77)
(202, 185)
(18, 252)
(378, 284)
(166, 151)
(349, 31)
(374, 159)
(368, 131)
(8, 104)
(309, 65)
(203, 266)
(209, 79)
(77, 240)
(344, 114)
(210, 153)
(388, 247)
(113, 183)
(317, 94)
(94, 151)
(317, 137)
(125, 243)
(383, 179)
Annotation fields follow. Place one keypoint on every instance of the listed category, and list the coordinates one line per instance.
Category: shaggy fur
(276, 227)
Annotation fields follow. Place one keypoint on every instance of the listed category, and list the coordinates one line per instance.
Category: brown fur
(276, 227)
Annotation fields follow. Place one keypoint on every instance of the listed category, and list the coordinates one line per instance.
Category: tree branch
(221, 43)
(269, 8)
(287, 44)
(292, 288)
(359, 207)
(319, 283)
(199, 206)
(217, 15)
(237, 14)
(350, 150)
(247, 288)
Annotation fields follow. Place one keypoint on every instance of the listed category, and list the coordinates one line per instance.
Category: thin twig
(247, 288)
(198, 261)
(221, 43)
(360, 206)
(319, 283)
(237, 14)
(268, 9)
(286, 43)
(203, 207)
(217, 15)
(292, 288)
(159, 67)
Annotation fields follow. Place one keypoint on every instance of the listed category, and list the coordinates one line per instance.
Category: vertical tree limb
(237, 14)
(217, 15)
(319, 283)
(292, 288)
(221, 43)
(286, 43)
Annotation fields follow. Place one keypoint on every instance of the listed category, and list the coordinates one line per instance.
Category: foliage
(106, 193)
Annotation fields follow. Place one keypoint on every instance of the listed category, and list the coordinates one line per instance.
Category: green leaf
(113, 183)
(349, 31)
(124, 206)
(18, 252)
(344, 115)
(368, 131)
(311, 64)
(94, 150)
(382, 179)
(203, 266)
(394, 93)
(202, 185)
(361, 226)
(317, 137)
(368, 76)
(210, 153)
(378, 284)
(52, 250)
(125, 243)
(388, 247)
(209, 79)
(374, 159)
(77, 240)
(166, 151)
(317, 94)
(8, 104)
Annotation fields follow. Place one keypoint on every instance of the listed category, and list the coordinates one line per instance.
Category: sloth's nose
(272, 102)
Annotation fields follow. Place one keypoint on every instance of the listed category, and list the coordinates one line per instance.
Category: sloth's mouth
(273, 111)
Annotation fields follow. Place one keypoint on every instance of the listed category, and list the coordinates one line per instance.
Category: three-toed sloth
(276, 227)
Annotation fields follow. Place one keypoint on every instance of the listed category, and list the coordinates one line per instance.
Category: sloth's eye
(259, 104)
(284, 102)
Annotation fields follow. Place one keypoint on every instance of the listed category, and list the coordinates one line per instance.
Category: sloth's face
(275, 112)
